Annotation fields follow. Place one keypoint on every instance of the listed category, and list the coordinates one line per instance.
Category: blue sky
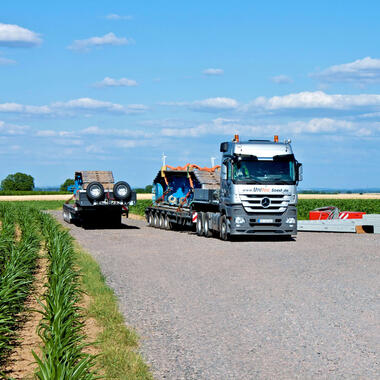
(113, 85)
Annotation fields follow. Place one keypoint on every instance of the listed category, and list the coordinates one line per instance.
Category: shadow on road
(108, 227)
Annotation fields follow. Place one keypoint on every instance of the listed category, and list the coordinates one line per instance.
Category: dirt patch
(18, 233)
(136, 217)
(91, 328)
(21, 363)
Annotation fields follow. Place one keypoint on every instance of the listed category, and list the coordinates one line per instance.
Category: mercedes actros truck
(252, 192)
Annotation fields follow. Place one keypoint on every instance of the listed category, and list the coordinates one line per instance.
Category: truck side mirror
(224, 147)
(299, 172)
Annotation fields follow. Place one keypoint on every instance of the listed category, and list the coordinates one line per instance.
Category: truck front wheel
(224, 235)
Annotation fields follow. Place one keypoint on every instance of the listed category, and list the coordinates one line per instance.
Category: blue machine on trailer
(176, 190)
(173, 194)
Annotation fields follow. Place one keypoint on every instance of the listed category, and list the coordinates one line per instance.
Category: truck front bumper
(243, 223)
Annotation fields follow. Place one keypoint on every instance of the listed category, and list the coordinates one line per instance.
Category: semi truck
(252, 192)
(98, 200)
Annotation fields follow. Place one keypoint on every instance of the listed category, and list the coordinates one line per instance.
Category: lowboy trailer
(252, 192)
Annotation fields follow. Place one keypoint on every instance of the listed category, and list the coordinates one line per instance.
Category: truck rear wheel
(199, 225)
(224, 235)
(206, 226)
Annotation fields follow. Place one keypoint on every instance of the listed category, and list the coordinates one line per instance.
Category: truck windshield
(278, 171)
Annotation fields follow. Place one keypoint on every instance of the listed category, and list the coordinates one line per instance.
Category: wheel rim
(206, 227)
(224, 230)
(199, 225)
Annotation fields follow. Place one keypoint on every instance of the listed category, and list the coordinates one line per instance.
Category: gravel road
(207, 309)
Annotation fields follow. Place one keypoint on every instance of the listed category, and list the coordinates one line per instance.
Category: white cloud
(317, 100)
(51, 133)
(361, 71)
(89, 104)
(12, 129)
(114, 16)
(208, 105)
(94, 105)
(214, 72)
(229, 127)
(24, 109)
(112, 132)
(215, 104)
(111, 82)
(16, 36)
(72, 107)
(6, 61)
(107, 39)
(282, 79)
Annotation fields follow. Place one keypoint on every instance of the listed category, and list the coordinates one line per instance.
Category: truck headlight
(239, 220)
(290, 220)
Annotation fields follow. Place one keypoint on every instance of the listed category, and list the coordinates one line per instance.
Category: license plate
(265, 220)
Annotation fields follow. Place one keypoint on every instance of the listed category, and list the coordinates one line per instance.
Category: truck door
(226, 181)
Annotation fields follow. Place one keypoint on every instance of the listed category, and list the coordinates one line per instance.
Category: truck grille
(277, 203)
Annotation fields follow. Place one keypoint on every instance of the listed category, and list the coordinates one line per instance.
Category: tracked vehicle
(98, 200)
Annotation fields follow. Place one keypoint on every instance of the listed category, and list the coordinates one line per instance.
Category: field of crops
(32, 192)
(26, 233)
(370, 206)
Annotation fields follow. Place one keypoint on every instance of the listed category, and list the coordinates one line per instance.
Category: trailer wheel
(162, 221)
(67, 216)
(224, 235)
(206, 225)
(199, 225)
(156, 220)
(167, 223)
(150, 219)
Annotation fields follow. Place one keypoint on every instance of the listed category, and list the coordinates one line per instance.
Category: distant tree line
(25, 182)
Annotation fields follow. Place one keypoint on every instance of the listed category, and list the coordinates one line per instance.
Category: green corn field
(24, 232)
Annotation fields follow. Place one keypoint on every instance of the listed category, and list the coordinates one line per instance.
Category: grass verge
(119, 358)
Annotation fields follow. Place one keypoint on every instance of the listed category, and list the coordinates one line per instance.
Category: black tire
(100, 191)
(127, 191)
(67, 217)
(156, 220)
(150, 219)
(206, 226)
(224, 235)
(167, 223)
(162, 221)
(199, 224)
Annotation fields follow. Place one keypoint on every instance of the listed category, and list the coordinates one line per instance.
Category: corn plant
(17, 264)
(62, 323)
